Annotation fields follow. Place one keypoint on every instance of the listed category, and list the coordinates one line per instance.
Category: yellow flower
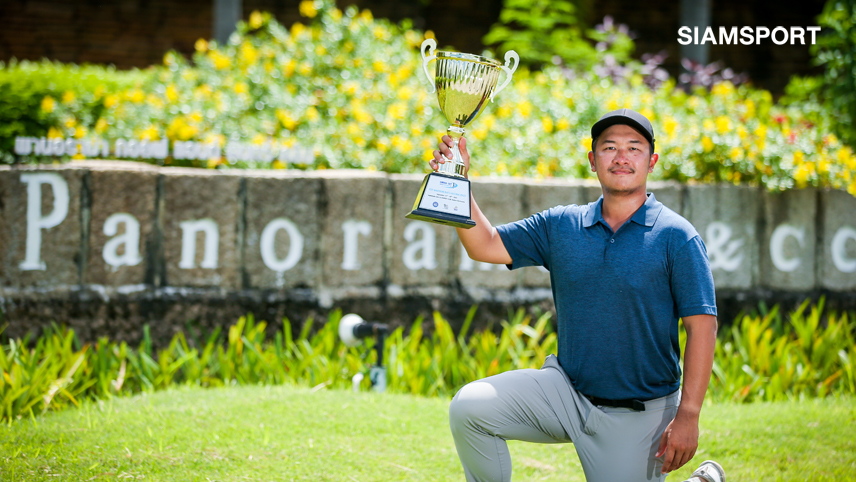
(71, 122)
(241, 88)
(480, 133)
(201, 45)
(735, 153)
(67, 97)
(219, 60)
(403, 145)
(150, 133)
(504, 111)
(112, 100)
(48, 104)
(256, 20)
(562, 124)
(647, 112)
(171, 93)
(799, 157)
(101, 126)
(285, 119)
(305, 68)
(586, 143)
(312, 114)
(707, 144)
(366, 15)
(80, 132)
(612, 105)
(670, 125)
(723, 124)
(708, 125)
(307, 9)
(547, 123)
(397, 110)
(54, 133)
(277, 164)
(750, 109)
(288, 68)
(136, 96)
(248, 54)
(524, 108)
(742, 132)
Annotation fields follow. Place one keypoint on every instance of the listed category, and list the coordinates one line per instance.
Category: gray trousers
(614, 444)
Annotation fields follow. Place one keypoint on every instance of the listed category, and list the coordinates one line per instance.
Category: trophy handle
(429, 44)
(509, 56)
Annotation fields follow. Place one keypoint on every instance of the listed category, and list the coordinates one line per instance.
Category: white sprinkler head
(346, 329)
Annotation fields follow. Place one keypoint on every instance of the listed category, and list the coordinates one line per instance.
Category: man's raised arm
(482, 241)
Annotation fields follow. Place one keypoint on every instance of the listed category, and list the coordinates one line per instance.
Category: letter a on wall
(129, 241)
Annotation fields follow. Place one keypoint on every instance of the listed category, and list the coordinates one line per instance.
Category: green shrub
(758, 358)
(33, 95)
(836, 52)
(351, 88)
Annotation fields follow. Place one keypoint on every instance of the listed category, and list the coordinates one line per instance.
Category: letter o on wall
(839, 250)
(268, 245)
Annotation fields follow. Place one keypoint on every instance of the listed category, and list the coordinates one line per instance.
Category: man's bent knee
(472, 402)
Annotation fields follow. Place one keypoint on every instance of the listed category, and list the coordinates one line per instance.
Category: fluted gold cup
(464, 83)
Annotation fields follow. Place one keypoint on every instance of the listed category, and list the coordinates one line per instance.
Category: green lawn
(283, 433)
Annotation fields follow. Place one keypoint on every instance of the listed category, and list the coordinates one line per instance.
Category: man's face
(622, 160)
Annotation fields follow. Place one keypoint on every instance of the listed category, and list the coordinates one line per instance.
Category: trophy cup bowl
(464, 83)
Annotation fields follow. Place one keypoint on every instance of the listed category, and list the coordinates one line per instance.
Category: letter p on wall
(36, 220)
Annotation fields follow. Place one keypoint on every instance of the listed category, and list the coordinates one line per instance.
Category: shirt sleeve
(527, 241)
(692, 281)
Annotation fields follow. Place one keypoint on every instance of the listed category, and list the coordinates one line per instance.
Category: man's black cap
(625, 117)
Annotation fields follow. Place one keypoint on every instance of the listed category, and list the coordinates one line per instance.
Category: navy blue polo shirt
(618, 295)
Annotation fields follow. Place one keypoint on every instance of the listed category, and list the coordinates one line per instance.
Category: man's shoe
(710, 471)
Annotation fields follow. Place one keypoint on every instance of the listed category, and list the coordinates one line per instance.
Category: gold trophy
(464, 82)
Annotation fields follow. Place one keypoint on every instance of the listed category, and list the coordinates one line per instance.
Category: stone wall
(108, 246)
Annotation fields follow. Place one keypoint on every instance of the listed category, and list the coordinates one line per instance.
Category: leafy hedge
(35, 98)
(351, 88)
(809, 353)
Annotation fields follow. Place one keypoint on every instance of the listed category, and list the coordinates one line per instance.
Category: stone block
(420, 252)
(123, 198)
(789, 243)
(501, 200)
(200, 213)
(838, 236)
(40, 226)
(727, 218)
(283, 230)
(671, 194)
(353, 228)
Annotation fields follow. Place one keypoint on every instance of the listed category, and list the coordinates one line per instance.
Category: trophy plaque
(464, 83)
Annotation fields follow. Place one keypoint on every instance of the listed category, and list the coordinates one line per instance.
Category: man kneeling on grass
(623, 270)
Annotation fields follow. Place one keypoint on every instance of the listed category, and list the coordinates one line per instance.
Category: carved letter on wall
(839, 250)
(352, 229)
(722, 251)
(35, 221)
(268, 245)
(188, 243)
(130, 240)
(777, 247)
(426, 245)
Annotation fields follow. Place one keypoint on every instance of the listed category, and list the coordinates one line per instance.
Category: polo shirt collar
(646, 215)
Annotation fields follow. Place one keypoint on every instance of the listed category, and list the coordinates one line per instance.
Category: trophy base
(443, 199)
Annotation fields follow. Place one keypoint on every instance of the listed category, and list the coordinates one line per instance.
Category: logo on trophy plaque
(464, 83)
